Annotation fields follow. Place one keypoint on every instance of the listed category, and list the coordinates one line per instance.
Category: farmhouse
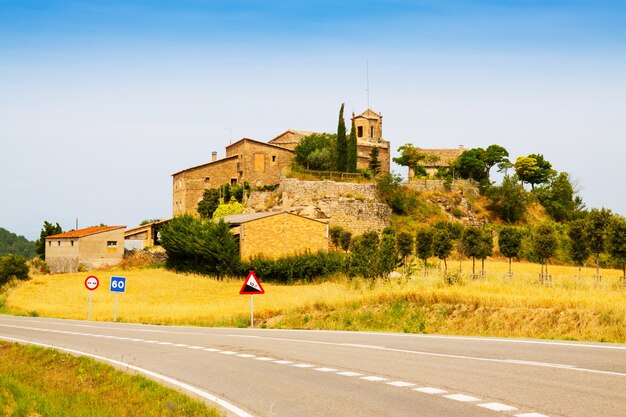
(260, 163)
(276, 234)
(438, 158)
(92, 247)
(143, 236)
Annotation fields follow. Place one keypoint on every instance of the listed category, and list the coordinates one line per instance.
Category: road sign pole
(89, 310)
(251, 310)
(115, 308)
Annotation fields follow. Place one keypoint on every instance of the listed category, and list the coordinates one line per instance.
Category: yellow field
(496, 306)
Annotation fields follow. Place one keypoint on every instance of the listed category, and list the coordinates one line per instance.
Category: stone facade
(353, 206)
(261, 163)
(278, 234)
(443, 158)
(246, 160)
(92, 247)
(145, 236)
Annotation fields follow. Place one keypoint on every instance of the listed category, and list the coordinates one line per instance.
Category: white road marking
(211, 350)
(195, 347)
(228, 352)
(497, 407)
(400, 384)
(462, 398)
(207, 396)
(246, 355)
(530, 415)
(374, 378)
(348, 373)
(165, 343)
(263, 358)
(179, 345)
(325, 369)
(283, 362)
(430, 390)
(302, 365)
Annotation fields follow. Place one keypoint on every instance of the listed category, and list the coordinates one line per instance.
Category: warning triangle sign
(252, 285)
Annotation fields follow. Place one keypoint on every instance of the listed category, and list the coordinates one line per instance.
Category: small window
(359, 131)
(233, 181)
(111, 243)
(207, 179)
(58, 243)
(273, 158)
(372, 132)
(72, 242)
(49, 243)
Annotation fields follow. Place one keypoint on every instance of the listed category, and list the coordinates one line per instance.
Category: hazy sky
(101, 101)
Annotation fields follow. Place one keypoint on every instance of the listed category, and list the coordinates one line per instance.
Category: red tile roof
(85, 232)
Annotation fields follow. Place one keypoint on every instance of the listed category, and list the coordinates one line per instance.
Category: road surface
(291, 373)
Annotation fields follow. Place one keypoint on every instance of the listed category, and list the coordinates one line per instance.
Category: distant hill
(19, 245)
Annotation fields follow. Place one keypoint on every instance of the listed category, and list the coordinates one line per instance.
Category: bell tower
(369, 126)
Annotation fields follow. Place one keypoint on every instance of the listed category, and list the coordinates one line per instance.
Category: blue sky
(100, 102)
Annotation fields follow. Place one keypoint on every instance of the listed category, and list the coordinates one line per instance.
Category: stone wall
(353, 206)
(464, 186)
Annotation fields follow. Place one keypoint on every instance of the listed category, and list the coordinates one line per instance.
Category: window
(111, 243)
(233, 181)
(49, 243)
(58, 243)
(273, 158)
(72, 242)
(372, 132)
(359, 131)
(207, 179)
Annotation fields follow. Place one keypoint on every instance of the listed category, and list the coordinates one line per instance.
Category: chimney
(213, 156)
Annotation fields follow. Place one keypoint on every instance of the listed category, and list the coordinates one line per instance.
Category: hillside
(19, 245)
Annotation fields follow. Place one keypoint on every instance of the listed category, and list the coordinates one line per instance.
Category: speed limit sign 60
(91, 283)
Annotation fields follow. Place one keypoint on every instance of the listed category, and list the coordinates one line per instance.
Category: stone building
(92, 247)
(276, 234)
(440, 158)
(261, 163)
(144, 236)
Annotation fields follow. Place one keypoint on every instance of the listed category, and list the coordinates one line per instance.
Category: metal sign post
(118, 285)
(252, 286)
(91, 283)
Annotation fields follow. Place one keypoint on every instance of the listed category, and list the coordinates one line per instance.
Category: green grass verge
(41, 382)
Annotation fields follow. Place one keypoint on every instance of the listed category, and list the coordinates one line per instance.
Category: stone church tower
(369, 135)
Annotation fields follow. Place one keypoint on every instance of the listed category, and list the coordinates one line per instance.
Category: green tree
(496, 155)
(201, 246)
(538, 173)
(48, 229)
(424, 244)
(598, 222)
(617, 242)
(388, 254)
(209, 203)
(405, 244)
(442, 245)
(472, 244)
(316, 152)
(410, 156)
(544, 243)
(486, 248)
(334, 233)
(509, 200)
(352, 156)
(342, 145)
(578, 248)
(374, 164)
(471, 165)
(510, 242)
(525, 168)
(13, 266)
(345, 239)
(558, 197)
(364, 255)
(227, 209)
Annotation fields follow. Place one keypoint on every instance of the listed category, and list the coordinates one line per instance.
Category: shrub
(305, 267)
(13, 266)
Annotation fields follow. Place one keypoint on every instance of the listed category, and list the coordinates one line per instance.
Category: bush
(303, 267)
(13, 266)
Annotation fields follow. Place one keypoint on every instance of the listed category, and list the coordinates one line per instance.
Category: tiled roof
(85, 232)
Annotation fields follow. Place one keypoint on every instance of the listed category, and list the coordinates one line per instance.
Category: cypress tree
(342, 146)
(352, 150)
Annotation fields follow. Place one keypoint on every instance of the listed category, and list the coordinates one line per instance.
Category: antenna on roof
(367, 78)
(230, 135)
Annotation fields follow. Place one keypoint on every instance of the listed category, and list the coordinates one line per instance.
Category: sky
(102, 101)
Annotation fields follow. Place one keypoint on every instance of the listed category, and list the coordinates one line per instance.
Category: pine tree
(374, 164)
(342, 146)
(352, 150)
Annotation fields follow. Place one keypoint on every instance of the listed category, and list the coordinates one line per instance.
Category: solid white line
(207, 396)
(430, 390)
(400, 384)
(497, 407)
(462, 398)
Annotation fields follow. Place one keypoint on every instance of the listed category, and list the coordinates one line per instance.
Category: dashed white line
(211, 350)
(180, 345)
(400, 384)
(374, 378)
(462, 398)
(348, 373)
(302, 365)
(246, 355)
(283, 362)
(264, 359)
(228, 352)
(430, 390)
(530, 415)
(195, 347)
(497, 407)
(325, 369)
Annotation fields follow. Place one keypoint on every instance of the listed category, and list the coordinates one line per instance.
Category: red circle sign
(91, 283)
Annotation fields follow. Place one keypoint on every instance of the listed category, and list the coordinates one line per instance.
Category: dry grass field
(570, 308)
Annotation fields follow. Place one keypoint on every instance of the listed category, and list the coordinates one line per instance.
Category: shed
(91, 247)
(277, 234)
(144, 236)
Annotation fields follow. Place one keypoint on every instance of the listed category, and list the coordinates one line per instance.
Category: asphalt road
(294, 373)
